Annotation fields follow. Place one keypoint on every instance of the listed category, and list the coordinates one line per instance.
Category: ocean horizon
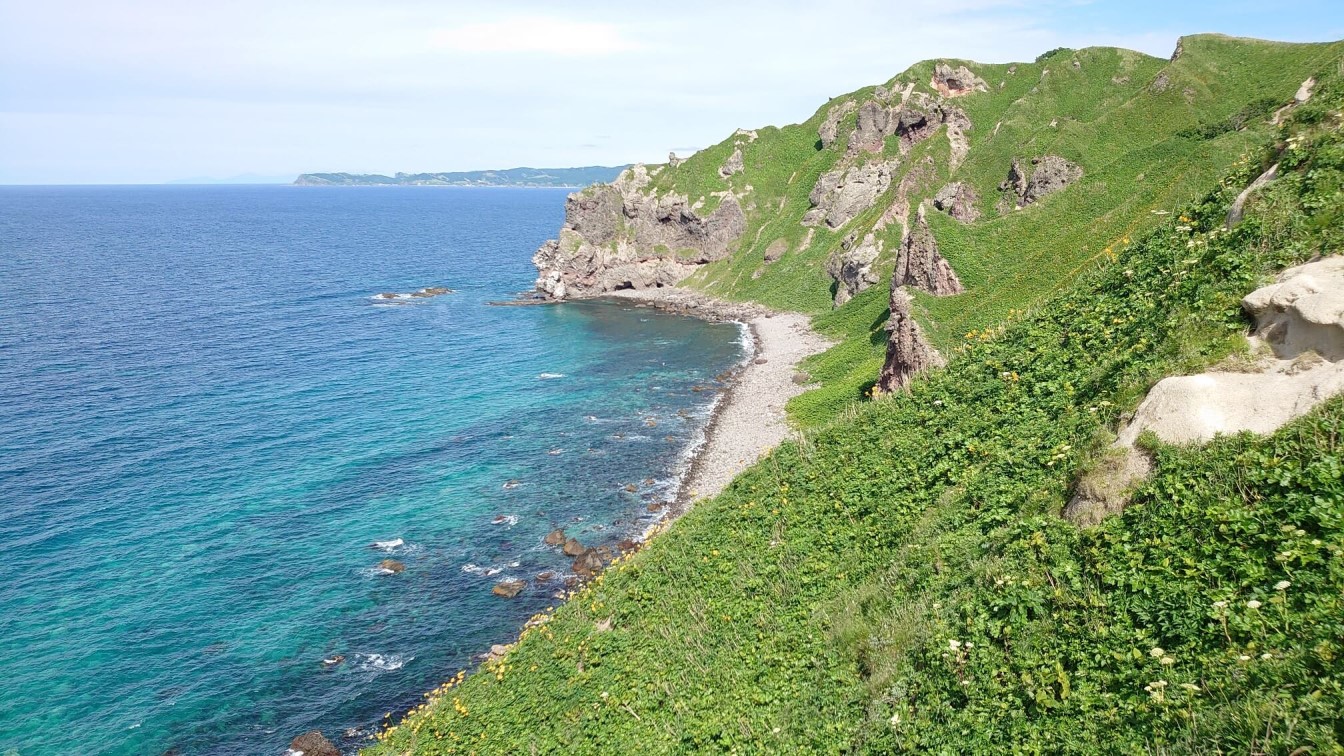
(216, 429)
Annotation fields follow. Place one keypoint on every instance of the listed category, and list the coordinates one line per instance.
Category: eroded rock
(908, 352)
(842, 194)
(958, 200)
(919, 263)
(1049, 174)
(829, 129)
(733, 164)
(956, 82)
(508, 588)
(851, 267)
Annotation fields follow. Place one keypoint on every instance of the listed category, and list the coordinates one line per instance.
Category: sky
(100, 91)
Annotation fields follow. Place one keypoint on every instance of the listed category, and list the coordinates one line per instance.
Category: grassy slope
(1141, 149)
(901, 581)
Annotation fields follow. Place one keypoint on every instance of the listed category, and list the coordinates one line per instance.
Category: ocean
(208, 417)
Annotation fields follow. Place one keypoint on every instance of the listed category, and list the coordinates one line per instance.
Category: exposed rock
(776, 250)
(1238, 209)
(750, 134)
(508, 588)
(732, 165)
(1300, 319)
(1180, 49)
(802, 378)
(841, 194)
(958, 200)
(852, 268)
(314, 743)
(919, 264)
(1303, 311)
(956, 82)
(545, 576)
(1106, 489)
(830, 127)
(618, 236)
(1161, 83)
(914, 120)
(916, 179)
(555, 537)
(627, 545)
(907, 351)
(391, 567)
(588, 564)
(673, 161)
(1049, 174)
(573, 548)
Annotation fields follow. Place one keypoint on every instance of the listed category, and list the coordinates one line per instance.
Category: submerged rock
(391, 566)
(508, 588)
(314, 743)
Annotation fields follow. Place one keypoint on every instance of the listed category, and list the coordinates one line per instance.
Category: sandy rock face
(620, 236)
(1302, 311)
(733, 164)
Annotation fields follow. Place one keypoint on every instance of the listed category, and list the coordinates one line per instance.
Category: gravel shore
(750, 420)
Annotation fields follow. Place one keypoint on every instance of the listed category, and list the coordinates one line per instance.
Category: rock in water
(508, 588)
(555, 537)
(391, 566)
(588, 564)
(314, 744)
(573, 548)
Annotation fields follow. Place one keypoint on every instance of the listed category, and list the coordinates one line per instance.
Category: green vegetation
(900, 580)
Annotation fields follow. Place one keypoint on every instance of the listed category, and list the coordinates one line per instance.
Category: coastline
(749, 419)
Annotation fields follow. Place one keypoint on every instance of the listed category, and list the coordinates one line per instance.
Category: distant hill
(539, 177)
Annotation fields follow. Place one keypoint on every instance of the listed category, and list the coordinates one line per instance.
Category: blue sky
(121, 92)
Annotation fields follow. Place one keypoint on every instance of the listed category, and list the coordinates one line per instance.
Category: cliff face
(624, 236)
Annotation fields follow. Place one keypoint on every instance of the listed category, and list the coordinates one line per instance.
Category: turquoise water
(206, 420)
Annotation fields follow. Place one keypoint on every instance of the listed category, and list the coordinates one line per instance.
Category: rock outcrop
(958, 200)
(621, 236)
(1049, 174)
(829, 130)
(919, 264)
(841, 194)
(913, 121)
(733, 164)
(1299, 321)
(851, 267)
(956, 82)
(908, 353)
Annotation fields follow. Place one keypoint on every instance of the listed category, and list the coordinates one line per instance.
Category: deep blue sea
(206, 420)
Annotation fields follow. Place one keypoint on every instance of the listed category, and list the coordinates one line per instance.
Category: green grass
(899, 580)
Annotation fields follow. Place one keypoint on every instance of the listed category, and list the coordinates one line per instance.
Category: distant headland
(529, 177)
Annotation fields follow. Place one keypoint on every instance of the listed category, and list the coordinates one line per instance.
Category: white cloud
(535, 34)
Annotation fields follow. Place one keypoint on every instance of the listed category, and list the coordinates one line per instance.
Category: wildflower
(1156, 652)
(1243, 657)
(1266, 655)
(1190, 687)
(953, 644)
(1253, 604)
(1166, 661)
(1282, 585)
(1219, 604)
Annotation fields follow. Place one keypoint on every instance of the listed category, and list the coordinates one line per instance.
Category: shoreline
(749, 420)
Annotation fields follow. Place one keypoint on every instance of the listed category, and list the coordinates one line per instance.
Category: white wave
(550, 376)
(395, 543)
(476, 569)
(381, 662)
(555, 452)
(509, 520)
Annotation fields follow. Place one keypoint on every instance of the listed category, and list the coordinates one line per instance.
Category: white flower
(953, 644)
(1253, 604)
(1219, 604)
(1282, 585)
(1266, 655)
(1156, 652)
(1243, 657)
(1166, 661)
(1190, 687)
